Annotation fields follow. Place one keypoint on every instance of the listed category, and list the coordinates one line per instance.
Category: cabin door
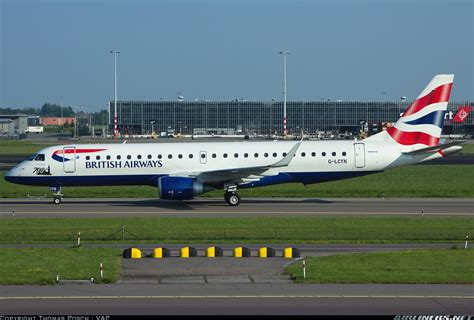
(359, 155)
(69, 159)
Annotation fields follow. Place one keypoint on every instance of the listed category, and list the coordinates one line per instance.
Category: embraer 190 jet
(182, 171)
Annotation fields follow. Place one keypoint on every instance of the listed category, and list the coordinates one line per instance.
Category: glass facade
(265, 118)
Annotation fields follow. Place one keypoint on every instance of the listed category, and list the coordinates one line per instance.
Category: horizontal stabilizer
(435, 148)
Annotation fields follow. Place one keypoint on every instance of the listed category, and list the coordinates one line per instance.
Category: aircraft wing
(435, 148)
(242, 174)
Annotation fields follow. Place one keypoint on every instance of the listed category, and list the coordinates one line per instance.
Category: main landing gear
(231, 196)
(57, 195)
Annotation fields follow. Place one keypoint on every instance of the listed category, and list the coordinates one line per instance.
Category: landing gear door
(69, 159)
(359, 155)
(203, 157)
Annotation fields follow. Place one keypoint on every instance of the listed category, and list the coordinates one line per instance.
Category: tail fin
(421, 124)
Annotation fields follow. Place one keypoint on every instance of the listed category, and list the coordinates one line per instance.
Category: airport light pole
(115, 52)
(284, 53)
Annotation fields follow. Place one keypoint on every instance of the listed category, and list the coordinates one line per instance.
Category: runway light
(467, 239)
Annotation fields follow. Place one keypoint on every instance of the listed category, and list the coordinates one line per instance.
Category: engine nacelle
(179, 188)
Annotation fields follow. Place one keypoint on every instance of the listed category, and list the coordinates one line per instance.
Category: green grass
(326, 229)
(413, 266)
(467, 148)
(23, 148)
(410, 181)
(40, 266)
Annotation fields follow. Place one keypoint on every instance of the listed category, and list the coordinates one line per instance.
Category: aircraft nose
(8, 175)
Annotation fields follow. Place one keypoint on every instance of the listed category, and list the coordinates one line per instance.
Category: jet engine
(180, 188)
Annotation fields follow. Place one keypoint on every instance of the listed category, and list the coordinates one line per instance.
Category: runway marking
(190, 212)
(238, 297)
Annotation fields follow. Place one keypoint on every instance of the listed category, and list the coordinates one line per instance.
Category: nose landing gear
(57, 195)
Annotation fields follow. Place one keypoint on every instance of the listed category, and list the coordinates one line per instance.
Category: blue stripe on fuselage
(152, 180)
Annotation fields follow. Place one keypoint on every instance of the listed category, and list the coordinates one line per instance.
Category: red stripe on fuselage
(66, 151)
(409, 138)
(440, 94)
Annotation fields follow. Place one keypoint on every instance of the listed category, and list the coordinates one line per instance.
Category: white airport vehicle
(35, 129)
(183, 170)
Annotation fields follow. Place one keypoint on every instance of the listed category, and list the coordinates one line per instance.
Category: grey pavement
(216, 207)
(235, 298)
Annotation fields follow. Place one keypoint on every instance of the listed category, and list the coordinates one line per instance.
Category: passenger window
(39, 157)
(214, 155)
(255, 155)
(236, 155)
(139, 157)
(246, 155)
(190, 156)
(274, 154)
(265, 155)
(225, 155)
(303, 154)
(313, 154)
(97, 157)
(333, 154)
(180, 156)
(88, 158)
(149, 156)
(108, 157)
(119, 157)
(170, 156)
(203, 155)
(344, 154)
(129, 157)
(284, 154)
(323, 154)
(160, 156)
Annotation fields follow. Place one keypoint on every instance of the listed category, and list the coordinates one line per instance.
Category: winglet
(289, 156)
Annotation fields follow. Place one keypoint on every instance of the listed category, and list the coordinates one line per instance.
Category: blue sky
(53, 51)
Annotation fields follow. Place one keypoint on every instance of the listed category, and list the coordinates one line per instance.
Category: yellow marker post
(262, 252)
(211, 252)
(184, 252)
(158, 253)
(136, 253)
(238, 252)
(288, 253)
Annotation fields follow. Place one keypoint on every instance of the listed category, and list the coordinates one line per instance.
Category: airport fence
(181, 234)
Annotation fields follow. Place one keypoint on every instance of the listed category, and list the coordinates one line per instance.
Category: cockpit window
(39, 157)
(30, 158)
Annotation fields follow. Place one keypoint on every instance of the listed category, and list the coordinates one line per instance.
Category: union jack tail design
(421, 124)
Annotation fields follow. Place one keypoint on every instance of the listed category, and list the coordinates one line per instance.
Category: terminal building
(266, 118)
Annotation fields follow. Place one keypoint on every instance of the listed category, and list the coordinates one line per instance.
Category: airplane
(182, 171)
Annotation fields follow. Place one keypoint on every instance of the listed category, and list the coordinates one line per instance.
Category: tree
(54, 110)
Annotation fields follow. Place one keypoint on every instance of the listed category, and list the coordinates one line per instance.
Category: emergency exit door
(69, 159)
(359, 155)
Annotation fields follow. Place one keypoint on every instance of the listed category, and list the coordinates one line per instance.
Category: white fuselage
(144, 163)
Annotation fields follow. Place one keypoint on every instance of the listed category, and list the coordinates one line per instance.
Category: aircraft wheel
(57, 200)
(234, 199)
